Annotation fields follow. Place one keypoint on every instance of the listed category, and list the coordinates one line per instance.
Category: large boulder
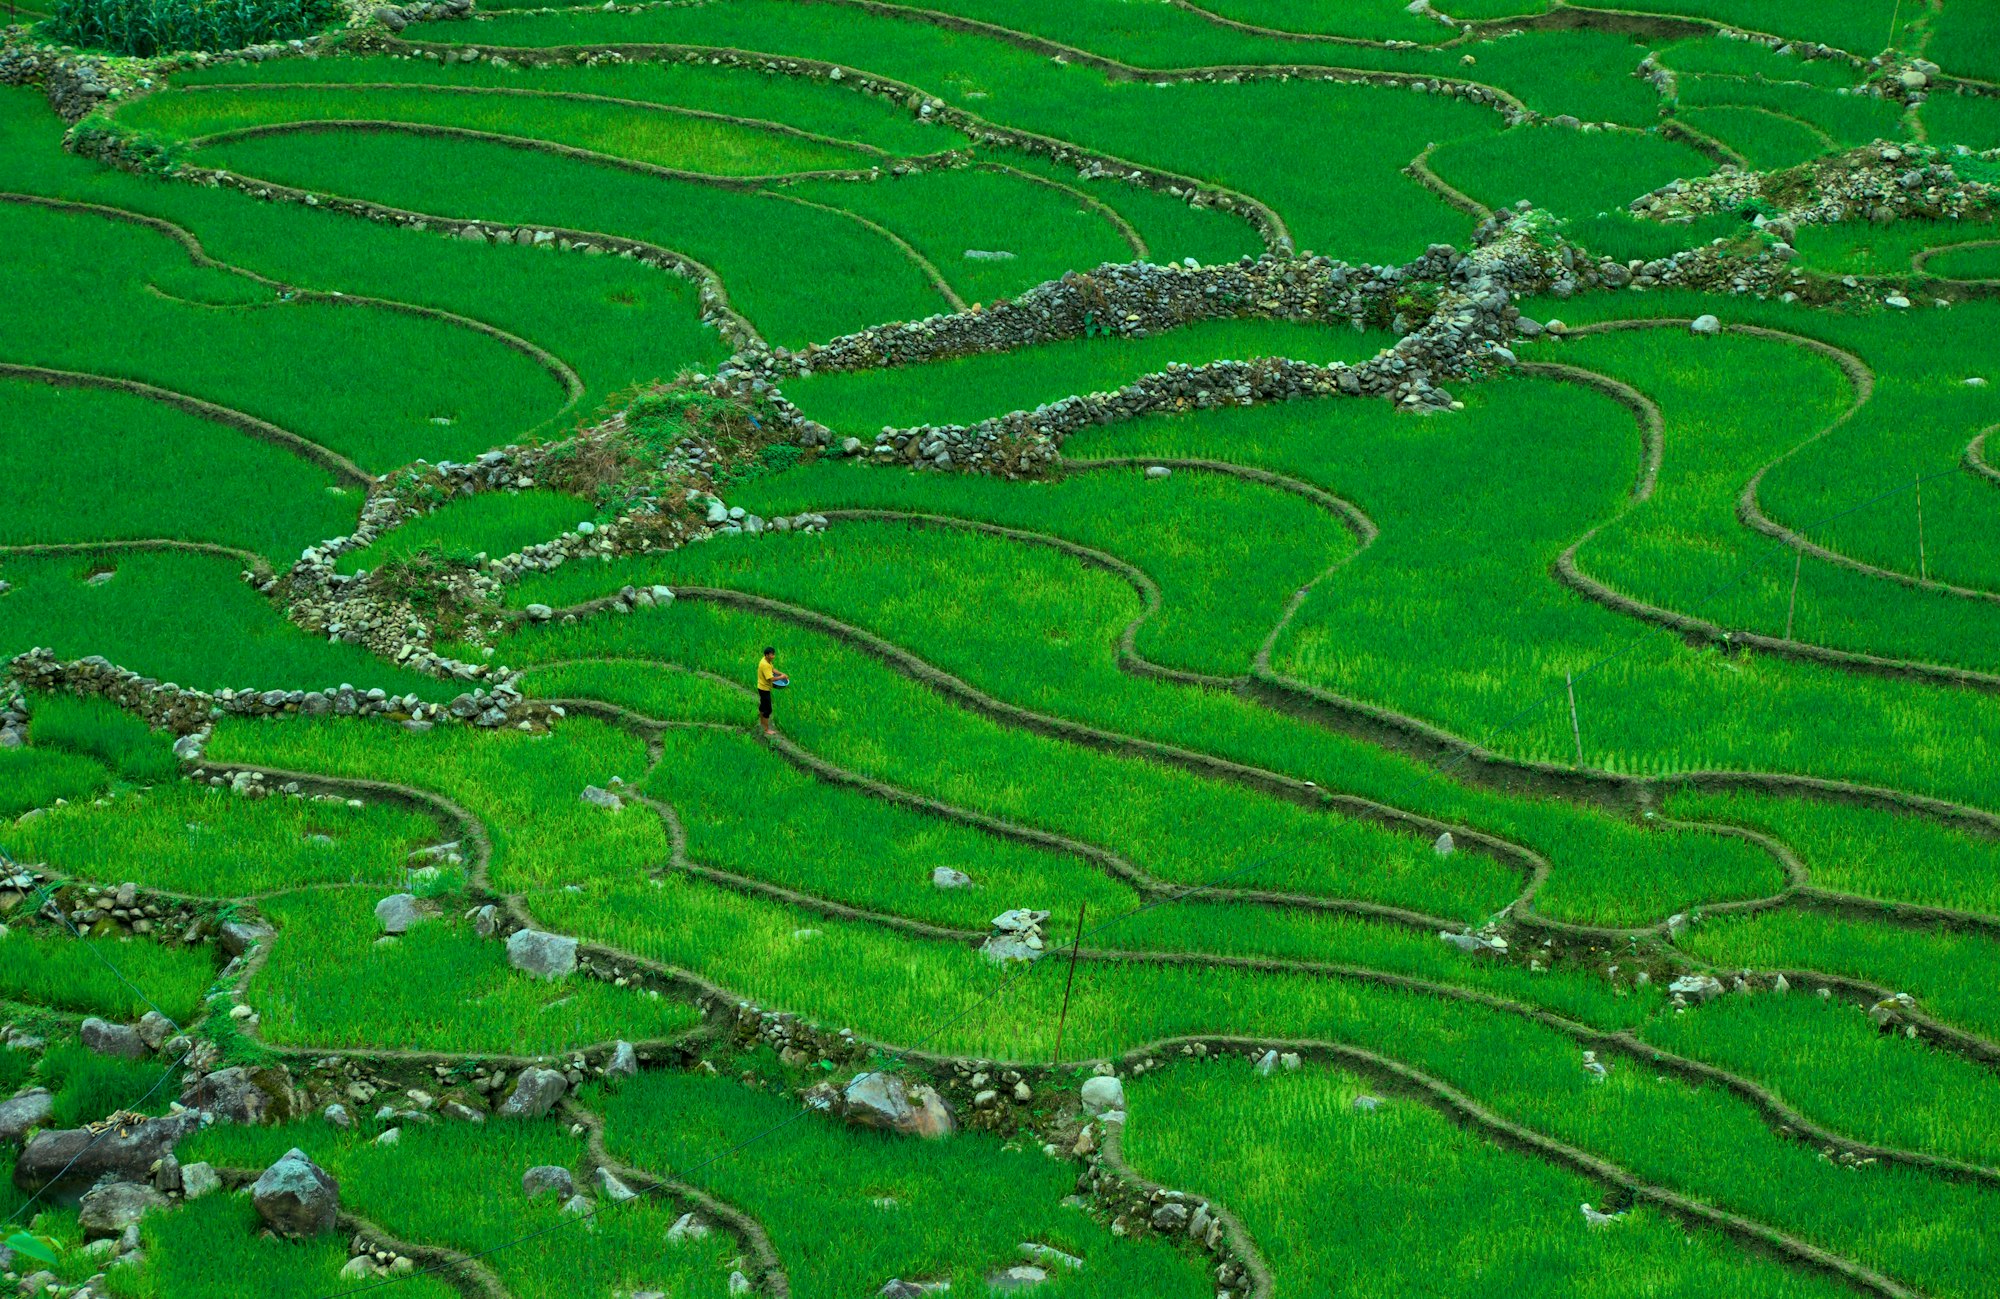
(65, 1163)
(544, 1178)
(1102, 1095)
(398, 913)
(535, 1093)
(106, 1038)
(114, 1206)
(884, 1101)
(30, 1109)
(239, 1095)
(296, 1197)
(239, 936)
(546, 956)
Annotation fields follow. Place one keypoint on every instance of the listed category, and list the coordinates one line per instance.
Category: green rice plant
(1768, 141)
(1719, 56)
(847, 1210)
(614, 321)
(1980, 263)
(1863, 27)
(1378, 22)
(1966, 40)
(798, 272)
(1918, 1097)
(86, 1086)
(1177, 826)
(55, 968)
(1345, 1201)
(101, 730)
(658, 136)
(957, 219)
(652, 689)
(194, 839)
(1839, 119)
(1571, 173)
(1619, 235)
(820, 108)
(1860, 248)
(749, 812)
(382, 387)
(140, 456)
(1970, 120)
(459, 1186)
(967, 389)
(218, 1245)
(1171, 228)
(1854, 849)
(1685, 547)
(31, 778)
(331, 983)
(1950, 974)
(148, 27)
(484, 523)
(140, 617)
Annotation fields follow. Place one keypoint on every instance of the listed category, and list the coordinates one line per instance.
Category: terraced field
(1386, 624)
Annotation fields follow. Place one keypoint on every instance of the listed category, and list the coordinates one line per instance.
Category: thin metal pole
(1923, 564)
(1575, 727)
(1069, 983)
(1798, 562)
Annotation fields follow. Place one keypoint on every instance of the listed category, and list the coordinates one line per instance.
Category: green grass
(1970, 120)
(659, 136)
(144, 618)
(1571, 173)
(55, 968)
(1766, 140)
(1967, 264)
(100, 730)
(815, 1186)
(797, 272)
(1849, 119)
(459, 1186)
(1860, 248)
(86, 1086)
(217, 1246)
(1722, 57)
(808, 105)
(947, 214)
(1403, 1199)
(377, 386)
(1619, 235)
(489, 523)
(1369, 21)
(38, 777)
(1863, 27)
(1966, 41)
(649, 688)
(194, 839)
(331, 984)
(134, 459)
(968, 389)
(1171, 229)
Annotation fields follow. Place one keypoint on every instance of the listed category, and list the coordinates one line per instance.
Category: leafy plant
(147, 27)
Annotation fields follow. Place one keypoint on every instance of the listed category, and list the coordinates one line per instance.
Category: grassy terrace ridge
(1515, 806)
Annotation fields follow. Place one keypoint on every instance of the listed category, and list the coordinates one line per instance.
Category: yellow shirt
(766, 670)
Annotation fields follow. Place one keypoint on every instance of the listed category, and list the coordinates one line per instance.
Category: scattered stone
(546, 956)
(884, 1101)
(1158, 471)
(1366, 1104)
(1444, 845)
(603, 798)
(946, 877)
(535, 1093)
(611, 1188)
(397, 913)
(1705, 324)
(1023, 1276)
(687, 1227)
(1699, 988)
(30, 1109)
(120, 1040)
(199, 1179)
(624, 1062)
(112, 1207)
(1103, 1095)
(296, 1197)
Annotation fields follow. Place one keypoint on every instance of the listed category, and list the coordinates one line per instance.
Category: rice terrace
(1078, 649)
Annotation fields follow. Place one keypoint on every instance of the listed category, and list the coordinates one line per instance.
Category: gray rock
(544, 1178)
(1705, 324)
(603, 798)
(337, 1115)
(611, 1188)
(1444, 845)
(398, 913)
(30, 1109)
(624, 1062)
(1023, 1276)
(199, 1179)
(1365, 1104)
(1170, 1218)
(1158, 471)
(884, 1101)
(1267, 1063)
(155, 1029)
(239, 1095)
(108, 1210)
(687, 1227)
(535, 1093)
(1696, 987)
(105, 1038)
(1103, 1094)
(546, 956)
(296, 1197)
(946, 877)
(239, 936)
(540, 612)
(69, 1161)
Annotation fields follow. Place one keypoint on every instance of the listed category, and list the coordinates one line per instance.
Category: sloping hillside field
(1076, 649)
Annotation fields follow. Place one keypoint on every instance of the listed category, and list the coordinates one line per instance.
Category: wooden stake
(1923, 564)
(1069, 983)
(1575, 728)
(1798, 562)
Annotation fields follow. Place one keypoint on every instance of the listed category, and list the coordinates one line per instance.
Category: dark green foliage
(148, 27)
(100, 730)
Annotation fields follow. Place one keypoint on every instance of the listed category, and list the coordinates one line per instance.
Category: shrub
(148, 27)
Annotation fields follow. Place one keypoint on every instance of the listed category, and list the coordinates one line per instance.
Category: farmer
(768, 679)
